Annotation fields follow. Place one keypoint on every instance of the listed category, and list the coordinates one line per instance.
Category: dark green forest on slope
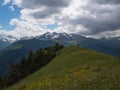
(29, 65)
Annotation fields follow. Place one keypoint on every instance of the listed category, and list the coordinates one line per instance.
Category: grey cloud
(47, 3)
(45, 13)
(106, 19)
(96, 9)
(106, 1)
(97, 25)
(51, 7)
(54, 3)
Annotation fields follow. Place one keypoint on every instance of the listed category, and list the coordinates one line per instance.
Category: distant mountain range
(48, 36)
(12, 49)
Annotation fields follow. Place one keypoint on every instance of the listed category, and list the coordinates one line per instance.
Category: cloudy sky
(93, 18)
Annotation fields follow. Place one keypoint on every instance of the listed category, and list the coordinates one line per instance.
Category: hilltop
(75, 68)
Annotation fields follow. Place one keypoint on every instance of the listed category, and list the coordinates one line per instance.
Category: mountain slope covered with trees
(29, 65)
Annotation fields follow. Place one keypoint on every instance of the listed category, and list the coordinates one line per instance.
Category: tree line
(29, 65)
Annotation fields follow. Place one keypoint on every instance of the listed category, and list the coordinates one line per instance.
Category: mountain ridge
(52, 35)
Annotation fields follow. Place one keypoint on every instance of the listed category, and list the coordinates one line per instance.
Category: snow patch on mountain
(56, 36)
(8, 38)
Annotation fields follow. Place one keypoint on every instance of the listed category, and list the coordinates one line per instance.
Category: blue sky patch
(52, 26)
(6, 15)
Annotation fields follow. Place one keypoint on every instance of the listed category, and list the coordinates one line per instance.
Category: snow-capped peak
(57, 36)
(8, 38)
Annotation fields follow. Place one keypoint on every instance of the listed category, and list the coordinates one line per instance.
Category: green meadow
(75, 68)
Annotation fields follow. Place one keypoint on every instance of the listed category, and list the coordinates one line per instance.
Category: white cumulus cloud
(86, 17)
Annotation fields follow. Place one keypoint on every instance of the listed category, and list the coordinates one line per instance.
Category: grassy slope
(75, 68)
